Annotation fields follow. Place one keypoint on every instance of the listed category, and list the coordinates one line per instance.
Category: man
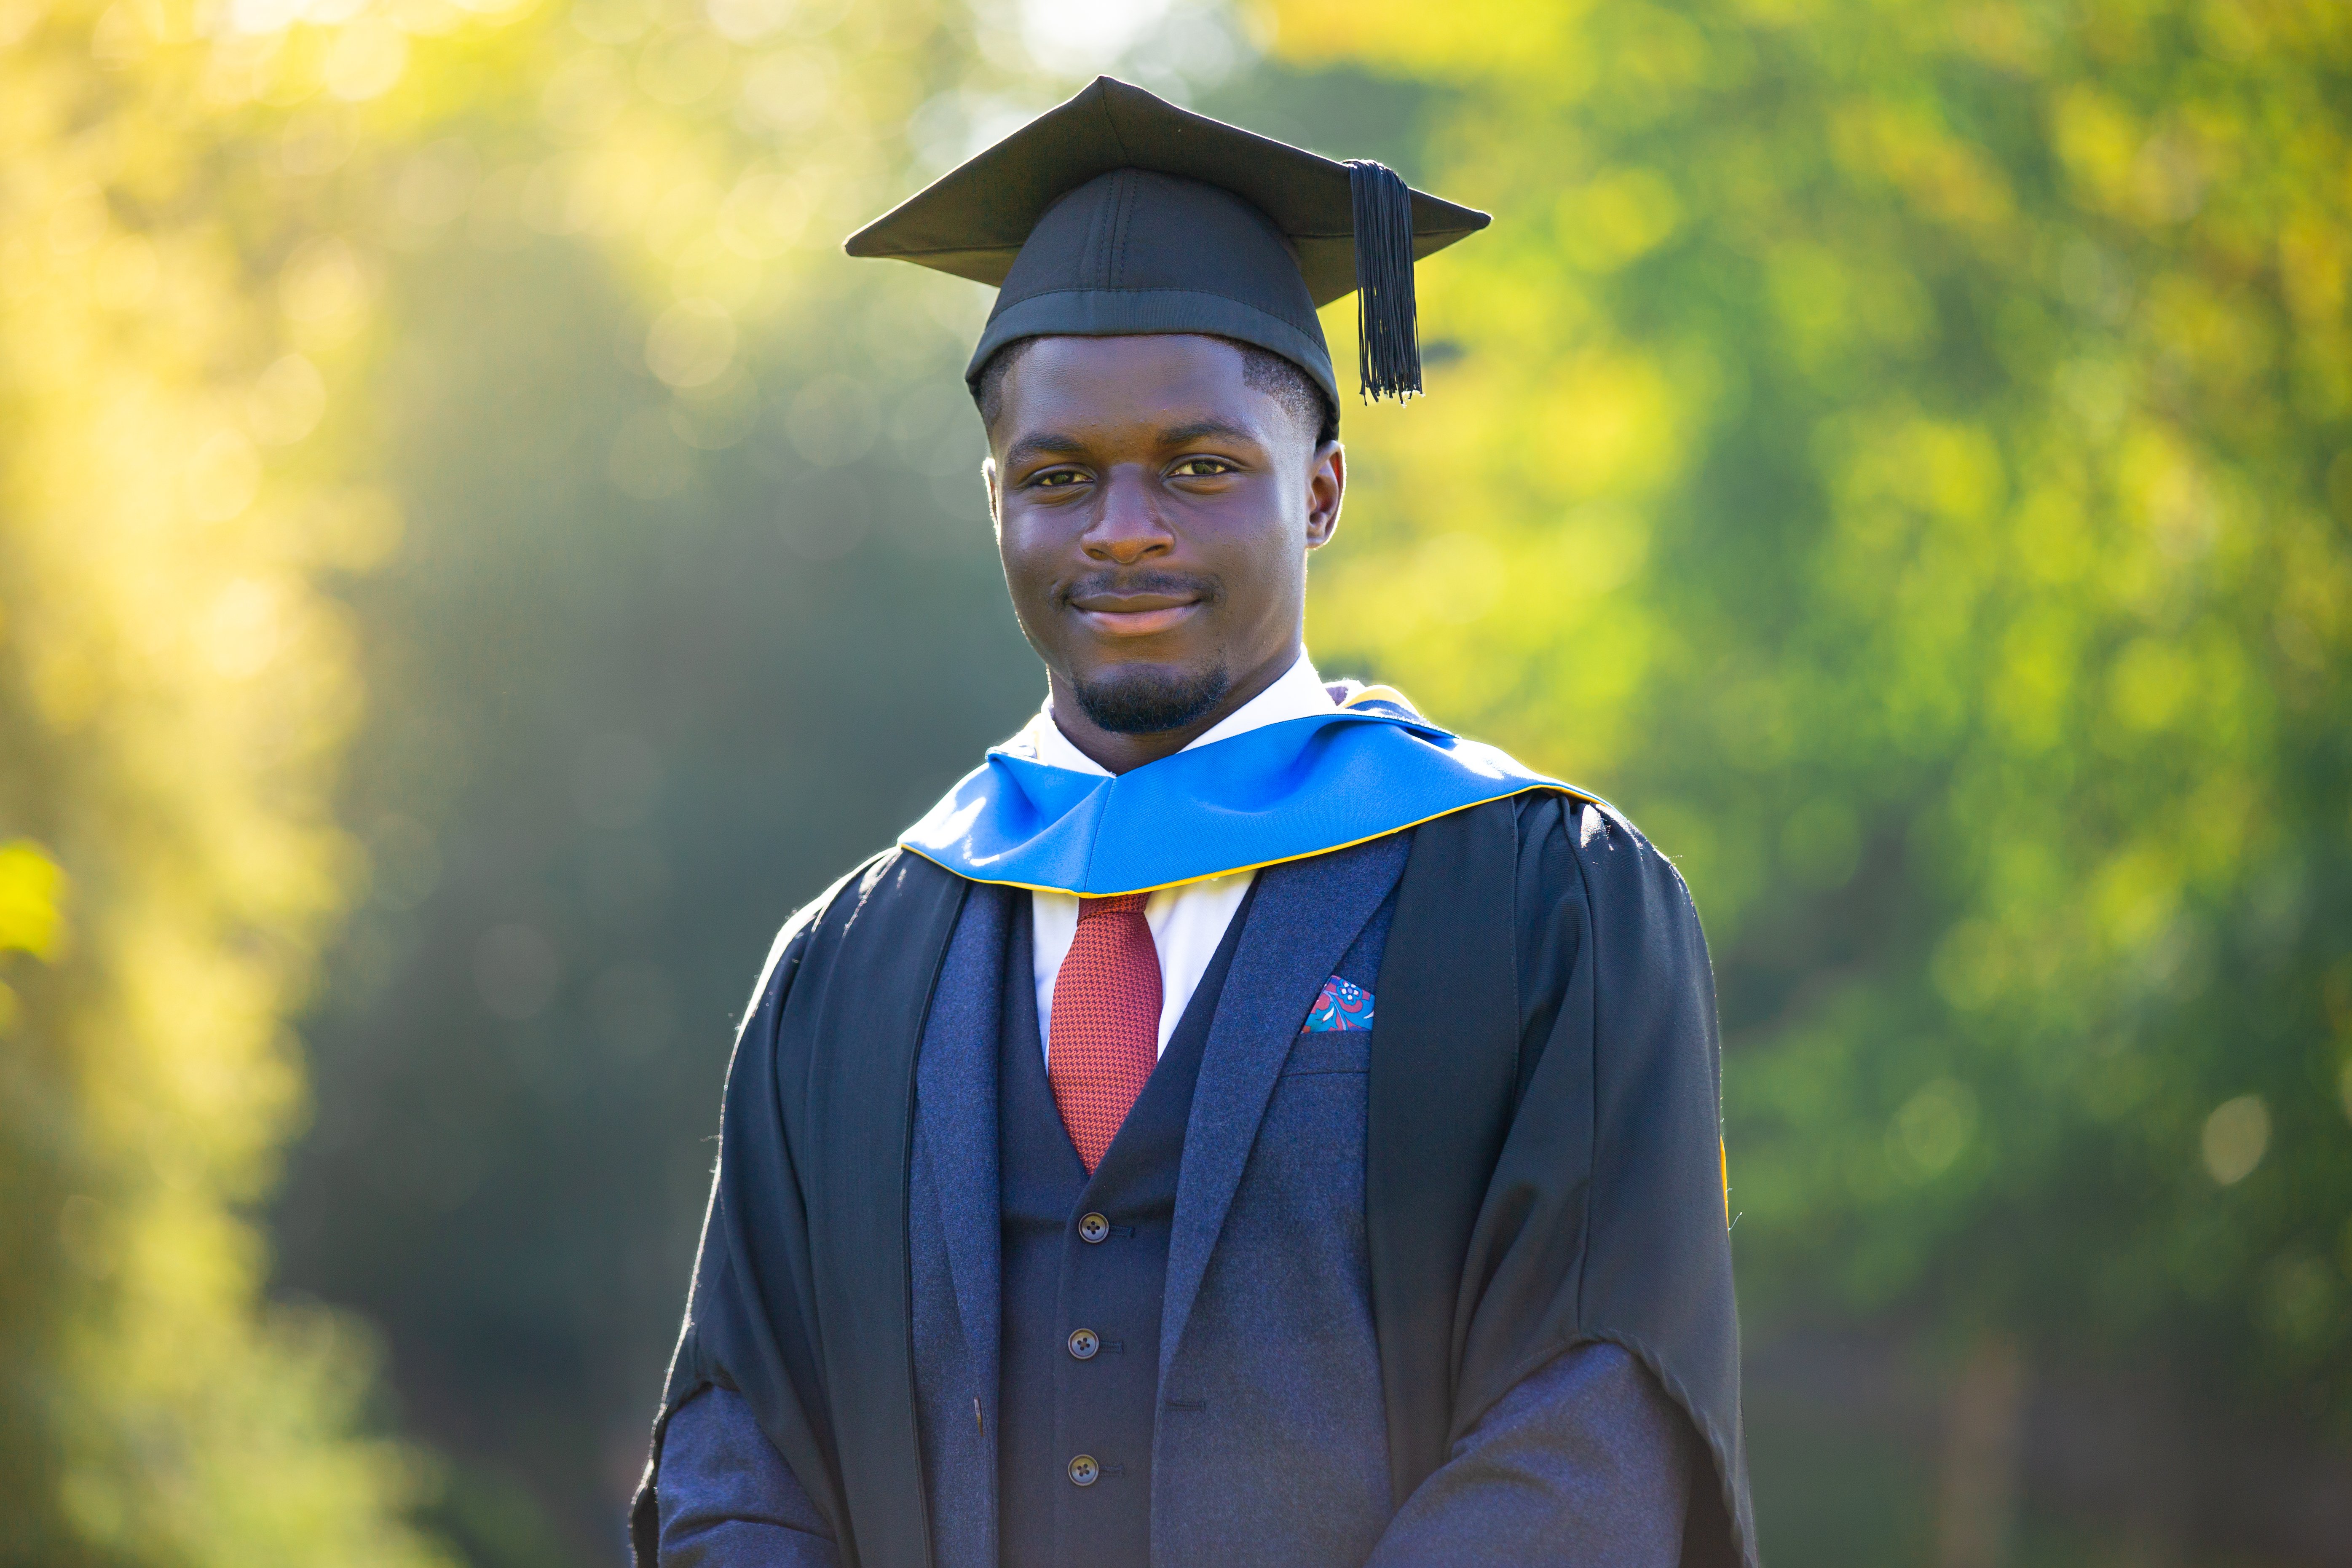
(1243, 1122)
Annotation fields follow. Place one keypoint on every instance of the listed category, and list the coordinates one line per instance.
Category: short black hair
(1262, 369)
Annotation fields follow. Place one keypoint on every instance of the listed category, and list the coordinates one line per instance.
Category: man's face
(1154, 512)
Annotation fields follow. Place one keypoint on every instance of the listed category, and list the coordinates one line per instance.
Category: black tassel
(1388, 343)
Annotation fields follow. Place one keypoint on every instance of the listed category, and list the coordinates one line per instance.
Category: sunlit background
(473, 556)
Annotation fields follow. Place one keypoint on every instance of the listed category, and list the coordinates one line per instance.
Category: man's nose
(1127, 527)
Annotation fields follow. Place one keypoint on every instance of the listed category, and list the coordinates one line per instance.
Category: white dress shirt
(1188, 921)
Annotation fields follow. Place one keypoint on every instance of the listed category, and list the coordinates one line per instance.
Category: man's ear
(988, 480)
(1327, 485)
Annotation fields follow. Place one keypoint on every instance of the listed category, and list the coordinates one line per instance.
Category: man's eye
(1057, 479)
(1202, 467)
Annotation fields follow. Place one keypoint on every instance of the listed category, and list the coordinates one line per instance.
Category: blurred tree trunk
(2156, 1514)
(1984, 1429)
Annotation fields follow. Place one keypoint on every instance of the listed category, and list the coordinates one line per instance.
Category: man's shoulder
(1584, 820)
(871, 890)
(1600, 843)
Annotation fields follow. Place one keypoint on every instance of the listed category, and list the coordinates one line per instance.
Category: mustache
(1208, 590)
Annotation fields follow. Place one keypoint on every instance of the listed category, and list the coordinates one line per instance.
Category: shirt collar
(1299, 693)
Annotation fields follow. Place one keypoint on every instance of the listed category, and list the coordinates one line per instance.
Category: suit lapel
(955, 1115)
(1304, 915)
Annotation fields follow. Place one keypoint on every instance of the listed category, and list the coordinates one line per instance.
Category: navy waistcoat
(1085, 1262)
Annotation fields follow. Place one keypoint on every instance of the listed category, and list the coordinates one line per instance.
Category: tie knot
(1115, 904)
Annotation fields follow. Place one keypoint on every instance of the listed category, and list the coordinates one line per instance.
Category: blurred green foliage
(173, 688)
(451, 483)
(416, 350)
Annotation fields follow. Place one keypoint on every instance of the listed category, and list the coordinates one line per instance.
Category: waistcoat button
(1092, 1228)
(1084, 1471)
(1083, 1343)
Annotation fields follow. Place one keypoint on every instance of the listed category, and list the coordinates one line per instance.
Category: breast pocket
(1330, 1052)
(1305, 1179)
(1337, 1034)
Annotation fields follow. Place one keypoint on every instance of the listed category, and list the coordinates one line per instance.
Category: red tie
(1105, 1033)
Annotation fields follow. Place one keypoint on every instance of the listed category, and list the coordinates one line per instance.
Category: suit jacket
(1275, 1439)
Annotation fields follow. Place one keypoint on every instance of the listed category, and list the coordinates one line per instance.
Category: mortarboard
(1119, 213)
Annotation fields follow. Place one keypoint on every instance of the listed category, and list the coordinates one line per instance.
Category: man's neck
(1116, 752)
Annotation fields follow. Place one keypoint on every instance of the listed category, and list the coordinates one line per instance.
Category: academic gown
(1543, 1171)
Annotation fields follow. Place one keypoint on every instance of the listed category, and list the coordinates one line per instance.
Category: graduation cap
(1119, 213)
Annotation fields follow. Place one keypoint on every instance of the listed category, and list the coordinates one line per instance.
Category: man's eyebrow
(1045, 444)
(1201, 429)
(1054, 443)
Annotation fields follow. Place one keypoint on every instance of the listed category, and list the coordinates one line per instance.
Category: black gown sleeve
(728, 1500)
(1585, 1463)
(718, 1310)
(1605, 1220)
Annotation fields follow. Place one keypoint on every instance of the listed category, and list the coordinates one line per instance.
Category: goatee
(1150, 701)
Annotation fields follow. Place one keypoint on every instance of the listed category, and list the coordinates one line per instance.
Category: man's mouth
(1135, 614)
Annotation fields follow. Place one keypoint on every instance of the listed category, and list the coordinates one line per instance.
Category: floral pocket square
(1342, 1006)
